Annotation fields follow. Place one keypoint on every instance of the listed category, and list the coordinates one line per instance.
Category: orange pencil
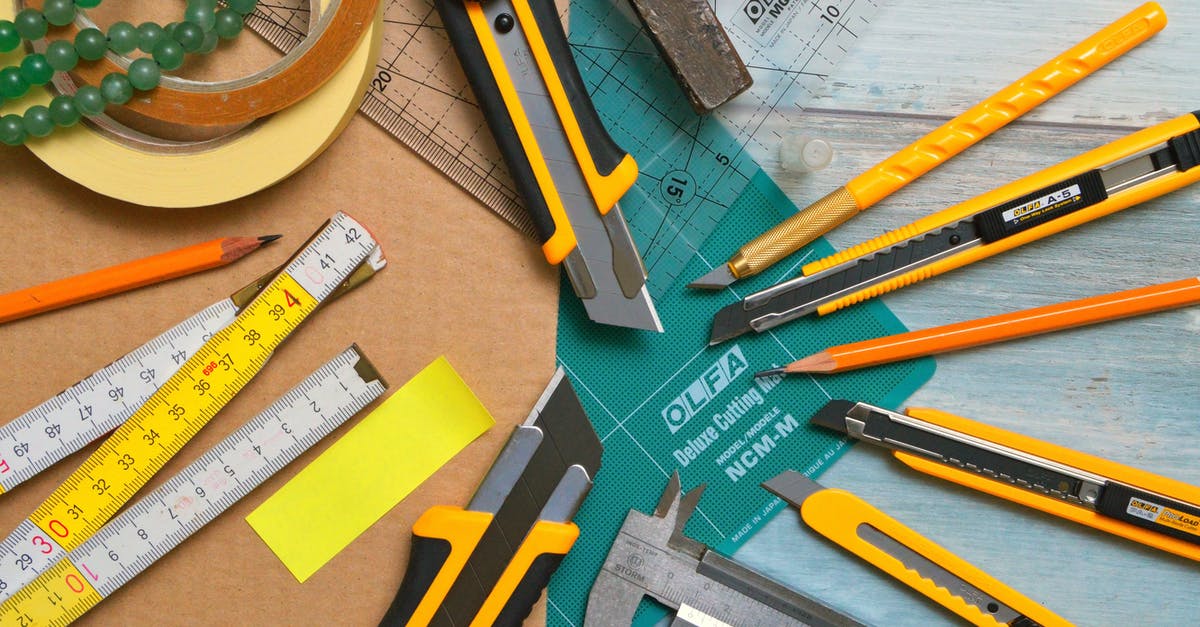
(127, 276)
(1024, 323)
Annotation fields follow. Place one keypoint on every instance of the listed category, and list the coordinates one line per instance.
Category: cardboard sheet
(407, 438)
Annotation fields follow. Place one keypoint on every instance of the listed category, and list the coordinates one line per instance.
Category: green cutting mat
(666, 402)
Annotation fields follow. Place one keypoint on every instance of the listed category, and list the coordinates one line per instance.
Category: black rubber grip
(605, 152)
(1042, 206)
(483, 83)
(1151, 511)
(516, 610)
(424, 563)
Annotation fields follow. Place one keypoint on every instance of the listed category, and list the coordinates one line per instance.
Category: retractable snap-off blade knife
(488, 563)
(652, 557)
(1127, 502)
(567, 169)
(1131, 170)
(908, 556)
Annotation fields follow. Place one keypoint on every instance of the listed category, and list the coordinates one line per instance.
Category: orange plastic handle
(838, 515)
(1102, 156)
(1088, 463)
(1017, 324)
(1007, 105)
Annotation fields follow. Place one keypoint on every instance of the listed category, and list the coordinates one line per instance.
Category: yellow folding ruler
(163, 519)
(184, 403)
(81, 414)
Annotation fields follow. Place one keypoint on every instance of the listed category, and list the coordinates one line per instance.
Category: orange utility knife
(568, 170)
(953, 137)
(1127, 502)
(908, 556)
(487, 564)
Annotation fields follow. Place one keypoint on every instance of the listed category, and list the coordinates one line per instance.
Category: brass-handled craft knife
(908, 556)
(1127, 502)
(488, 563)
(949, 139)
(1131, 170)
(567, 169)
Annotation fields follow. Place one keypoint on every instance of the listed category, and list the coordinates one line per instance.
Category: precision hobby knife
(652, 557)
(566, 167)
(487, 564)
(1127, 502)
(1134, 169)
(908, 556)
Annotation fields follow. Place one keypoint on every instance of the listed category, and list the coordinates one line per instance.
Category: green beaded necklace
(202, 27)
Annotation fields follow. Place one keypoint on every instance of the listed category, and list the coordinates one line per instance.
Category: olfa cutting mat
(666, 402)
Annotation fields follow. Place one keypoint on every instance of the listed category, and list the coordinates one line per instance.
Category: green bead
(37, 121)
(9, 37)
(91, 44)
(31, 24)
(228, 23)
(89, 101)
(200, 15)
(122, 38)
(168, 54)
(63, 111)
(190, 36)
(12, 84)
(36, 70)
(210, 43)
(12, 130)
(144, 74)
(169, 30)
(116, 88)
(211, 5)
(87, 4)
(59, 12)
(149, 34)
(245, 7)
(61, 55)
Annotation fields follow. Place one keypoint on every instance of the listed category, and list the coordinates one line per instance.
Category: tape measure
(163, 519)
(81, 414)
(183, 404)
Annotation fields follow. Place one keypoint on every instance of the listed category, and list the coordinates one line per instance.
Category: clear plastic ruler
(164, 518)
(693, 168)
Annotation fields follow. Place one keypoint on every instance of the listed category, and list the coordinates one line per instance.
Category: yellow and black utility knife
(908, 556)
(567, 169)
(1127, 502)
(488, 564)
(1131, 170)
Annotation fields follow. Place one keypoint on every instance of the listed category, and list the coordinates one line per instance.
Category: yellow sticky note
(370, 469)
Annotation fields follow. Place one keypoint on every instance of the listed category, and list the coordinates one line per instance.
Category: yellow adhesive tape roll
(173, 174)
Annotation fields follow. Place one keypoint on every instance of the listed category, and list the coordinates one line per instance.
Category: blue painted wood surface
(1127, 390)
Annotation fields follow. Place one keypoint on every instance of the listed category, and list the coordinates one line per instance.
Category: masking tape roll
(229, 103)
(172, 174)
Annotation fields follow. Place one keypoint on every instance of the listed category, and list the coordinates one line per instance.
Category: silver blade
(720, 278)
(605, 268)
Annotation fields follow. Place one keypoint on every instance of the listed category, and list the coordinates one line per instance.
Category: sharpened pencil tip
(267, 239)
(770, 373)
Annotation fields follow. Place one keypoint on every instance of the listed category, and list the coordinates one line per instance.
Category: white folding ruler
(164, 518)
(184, 403)
(82, 413)
(692, 168)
